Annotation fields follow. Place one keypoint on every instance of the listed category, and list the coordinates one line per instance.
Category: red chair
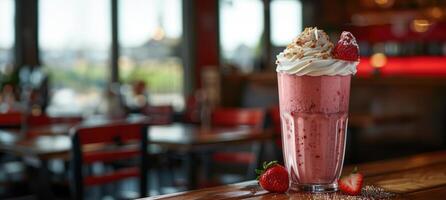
(115, 138)
(160, 112)
(233, 117)
(43, 120)
(36, 121)
(11, 120)
(14, 120)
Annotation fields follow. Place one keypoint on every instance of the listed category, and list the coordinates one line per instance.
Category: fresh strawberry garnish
(351, 184)
(273, 177)
(346, 48)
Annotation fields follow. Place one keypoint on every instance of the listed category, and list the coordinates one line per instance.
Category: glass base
(316, 188)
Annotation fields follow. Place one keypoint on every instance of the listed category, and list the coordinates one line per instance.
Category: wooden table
(192, 139)
(45, 143)
(54, 143)
(416, 177)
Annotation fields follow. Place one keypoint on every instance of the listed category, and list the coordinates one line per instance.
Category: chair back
(42, 120)
(159, 110)
(164, 112)
(232, 117)
(10, 120)
(238, 117)
(112, 141)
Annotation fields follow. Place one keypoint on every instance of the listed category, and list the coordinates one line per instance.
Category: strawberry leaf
(268, 165)
(265, 166)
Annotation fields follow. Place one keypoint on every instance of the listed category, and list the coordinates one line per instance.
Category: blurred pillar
(26, 34)
(202, 36)
(114, 76)
(309, 14)
(188, 46)
(267, 48)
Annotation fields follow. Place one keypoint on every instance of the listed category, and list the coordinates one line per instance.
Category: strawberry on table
(273, 177)
(346, 48)
(351, 184)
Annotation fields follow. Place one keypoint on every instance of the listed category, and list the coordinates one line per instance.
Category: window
(286, 21)
(241, 29)
(286, 24)
(150, 34)
(75, 40)
(6, 39)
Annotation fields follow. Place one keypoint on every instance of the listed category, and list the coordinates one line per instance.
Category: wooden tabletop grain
(416, 177)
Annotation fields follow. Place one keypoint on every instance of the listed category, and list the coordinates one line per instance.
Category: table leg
(191, 170)
(207, 163)
(40, 181)
(145, 166)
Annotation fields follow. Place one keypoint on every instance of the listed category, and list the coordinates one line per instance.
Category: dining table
(191, 140)
(416, 177)
(53, 142)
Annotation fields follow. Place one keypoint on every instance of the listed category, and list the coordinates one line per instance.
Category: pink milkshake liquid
(314, 116)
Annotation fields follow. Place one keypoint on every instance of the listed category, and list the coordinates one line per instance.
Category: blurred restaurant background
(187, 68)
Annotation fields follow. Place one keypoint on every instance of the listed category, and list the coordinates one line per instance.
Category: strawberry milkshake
(314, 89)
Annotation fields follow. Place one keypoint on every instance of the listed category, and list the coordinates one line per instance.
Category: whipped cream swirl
(310, 54)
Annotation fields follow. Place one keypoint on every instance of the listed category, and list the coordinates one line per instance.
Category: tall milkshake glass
(314, 97)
